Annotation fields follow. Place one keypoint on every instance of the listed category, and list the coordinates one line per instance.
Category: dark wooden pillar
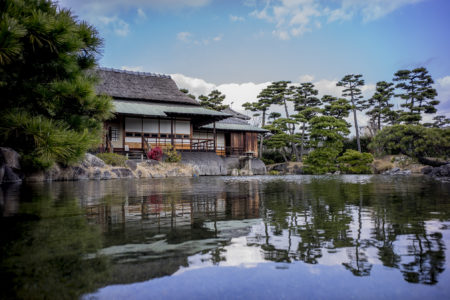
(142, 133)
(171, 133)
(215, 137)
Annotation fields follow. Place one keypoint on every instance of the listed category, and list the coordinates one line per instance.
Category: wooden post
(142, 134)
(171, 133)
(215, 137)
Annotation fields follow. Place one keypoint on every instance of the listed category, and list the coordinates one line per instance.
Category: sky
(240, 46)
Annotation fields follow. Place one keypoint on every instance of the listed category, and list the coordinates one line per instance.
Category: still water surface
(290, 237)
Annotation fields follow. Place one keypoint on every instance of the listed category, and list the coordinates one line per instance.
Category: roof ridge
(145, 74)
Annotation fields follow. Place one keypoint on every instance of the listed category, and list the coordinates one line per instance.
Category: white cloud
(196, 86)
(281, 34)
(236, 18)
(184, 36)
(133, 68)
(115, 24)
(443, 88)
(306, 78)
(141, 13)
(296, 17)
(187, 38)
(121, 28)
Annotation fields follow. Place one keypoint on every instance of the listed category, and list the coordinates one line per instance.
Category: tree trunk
(357, 130)
(284, 155)
(303, 141)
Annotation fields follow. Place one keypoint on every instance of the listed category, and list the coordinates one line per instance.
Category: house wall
(157, 132)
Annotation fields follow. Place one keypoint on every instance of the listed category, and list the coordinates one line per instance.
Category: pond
(280, 237)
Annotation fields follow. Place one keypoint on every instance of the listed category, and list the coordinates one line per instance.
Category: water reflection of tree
(43, 251)
(319, 214)
(405, 214)
(358, 264)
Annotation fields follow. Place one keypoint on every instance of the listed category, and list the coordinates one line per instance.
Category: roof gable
(140, 86)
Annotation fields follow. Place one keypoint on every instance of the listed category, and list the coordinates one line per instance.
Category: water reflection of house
(150, 111)
(162, 209)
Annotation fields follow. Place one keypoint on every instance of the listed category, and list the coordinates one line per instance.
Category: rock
(10, 176)
(106, 175)
(244, 172)
(79, 173)
(123, 172)
(394, 170)
(235, 172)
(96, 174)
(337, 173)
(91, 160)
(2, 172)
(36, 177)
(152, 162)
(258, 167)
(427, 170)
(54, 173)
(10, 158)
(131, 164)
(445, 170)
(157, 175)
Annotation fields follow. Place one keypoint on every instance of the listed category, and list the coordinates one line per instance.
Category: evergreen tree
(439, 122)
(262, 105)
(281, 93)
(273, 116)
(418, 94)
(305, 104)
(380, 105)
(351, 84)
(47, 83)
(336, 107)
(213, 101)
(327, 136)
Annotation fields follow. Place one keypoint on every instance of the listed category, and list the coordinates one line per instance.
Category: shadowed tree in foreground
(49, 111)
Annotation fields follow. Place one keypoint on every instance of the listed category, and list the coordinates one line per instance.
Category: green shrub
(321, 161)
(272, 157)
(113, 159)
(354, 162)
(412, 140)
(172, 155)
(274, 172)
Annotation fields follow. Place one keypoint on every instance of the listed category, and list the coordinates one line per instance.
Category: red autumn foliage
(155, 154)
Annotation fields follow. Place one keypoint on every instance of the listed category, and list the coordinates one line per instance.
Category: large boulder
(131, 164)
(10, 176)
(91, 160)
(79, 173)
(122, 172)
(10, 158)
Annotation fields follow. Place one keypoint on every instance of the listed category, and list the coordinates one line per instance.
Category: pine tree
(213, 101)
(262, 105)
(418, 94)
(336, 107)
(351, 84)
(47, 83)
(380, 105)
(326, 137)
(306, 105)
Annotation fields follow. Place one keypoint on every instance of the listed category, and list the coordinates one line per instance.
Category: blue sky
(241, 46)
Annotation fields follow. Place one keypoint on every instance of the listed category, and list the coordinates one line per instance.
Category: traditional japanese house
(150, 111)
